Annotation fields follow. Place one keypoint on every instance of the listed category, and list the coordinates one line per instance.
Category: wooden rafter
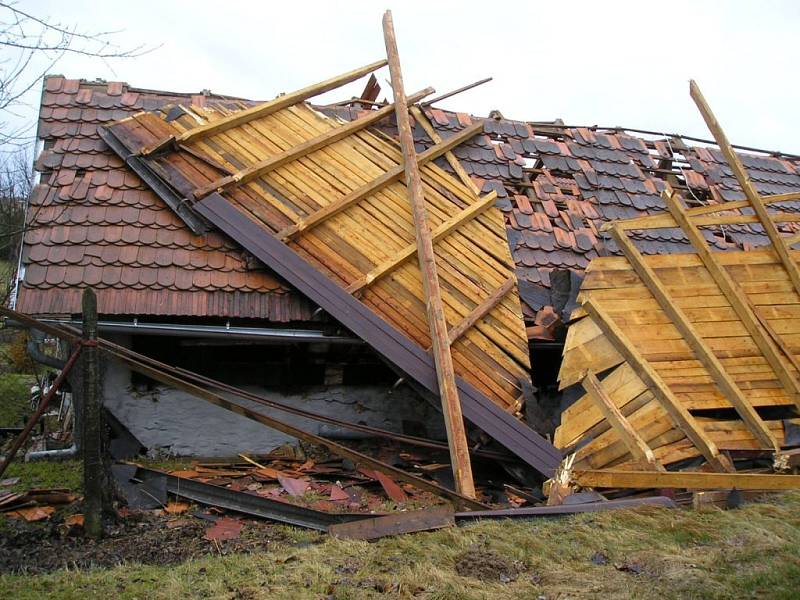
(266, 108)
(695, 341)
(756, 202)
(437, 234)
(263, 167)
(758, 328)
(390, 176)
(480, 311)
(685, 480)
(634, 442)
(445, 375)
(677, 412)
(458, 169)
(665, 221)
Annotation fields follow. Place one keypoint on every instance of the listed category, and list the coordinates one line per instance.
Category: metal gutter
(266, 334)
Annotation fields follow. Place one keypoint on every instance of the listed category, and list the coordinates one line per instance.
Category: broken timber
(337, 220)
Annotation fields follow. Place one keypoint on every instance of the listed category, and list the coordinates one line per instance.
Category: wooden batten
(261, 110)
(671, 404)
(329, 137)
(695, 341)
(377, 184)
(448, 391)
(608, 478)
(755, 200)
(480, 311)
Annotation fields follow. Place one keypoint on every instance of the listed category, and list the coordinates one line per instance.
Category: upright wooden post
(92, 421)
(451, 406)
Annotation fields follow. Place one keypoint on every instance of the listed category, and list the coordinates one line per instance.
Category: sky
(605, 63)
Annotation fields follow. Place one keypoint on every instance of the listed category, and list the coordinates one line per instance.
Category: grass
(14, 398)
(752, 552)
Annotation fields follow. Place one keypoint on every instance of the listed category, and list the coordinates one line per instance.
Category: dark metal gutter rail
(565, 509)
(250, 504)
(410, 358)
(272, 334)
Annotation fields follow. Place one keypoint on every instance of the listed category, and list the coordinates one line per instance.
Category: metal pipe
(35, 351)
(266, 334)
(52, 454)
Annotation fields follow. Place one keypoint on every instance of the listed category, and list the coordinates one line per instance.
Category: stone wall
(174, 422)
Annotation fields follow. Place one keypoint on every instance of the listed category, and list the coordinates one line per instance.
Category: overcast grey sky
(606, 63)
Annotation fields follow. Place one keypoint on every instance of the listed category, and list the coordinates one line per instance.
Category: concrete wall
(177, 423)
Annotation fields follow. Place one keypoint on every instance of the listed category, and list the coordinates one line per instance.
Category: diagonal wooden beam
(266, 108)
(454, 163)
(480, 311)
(665, 221)
(680, 416)
(377, 184)
(701, 350)
(747, 186)
(448, 391)
(263, 167)
(738, 300)
(634, 442)
(437, 234)
(609, 478)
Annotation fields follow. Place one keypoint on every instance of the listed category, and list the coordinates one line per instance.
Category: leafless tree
(27, 41)
(30, 47)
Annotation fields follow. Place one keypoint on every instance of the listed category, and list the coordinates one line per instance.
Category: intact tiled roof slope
(558, 185)
(93, 222)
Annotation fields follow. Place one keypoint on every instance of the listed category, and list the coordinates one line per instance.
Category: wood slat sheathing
(473, 261)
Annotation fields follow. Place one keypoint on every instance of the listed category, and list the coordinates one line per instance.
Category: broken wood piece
(266, 108)
(677, 412)
(739, 172)
(448, 390)
(395, 524)
(610, 478)
(629, 436)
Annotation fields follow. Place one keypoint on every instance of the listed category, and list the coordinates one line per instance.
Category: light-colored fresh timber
(695, 341)
(391, 175)
(437, 234)
(756, 203)
(454, 163)
(677, 412)
(448, 392)
(480, 311)
(609, 478)
(267, 108)
(329, 137)
(629, 436)
(747, 313)
(664, 221)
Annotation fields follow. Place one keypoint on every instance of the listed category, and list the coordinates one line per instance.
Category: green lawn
(752, 552)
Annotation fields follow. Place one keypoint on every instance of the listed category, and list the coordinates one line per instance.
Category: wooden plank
(391, 343)
(395, 524)
(263, 167)
(744, 309)
(629, 436)
(481, 310)
(747, 186)
(664, 221)
(695, 341)
(608, 478)
(448, 392)
(454, 163)
(390, 176)
(437, 234)
(677, 412)
(266, 108)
